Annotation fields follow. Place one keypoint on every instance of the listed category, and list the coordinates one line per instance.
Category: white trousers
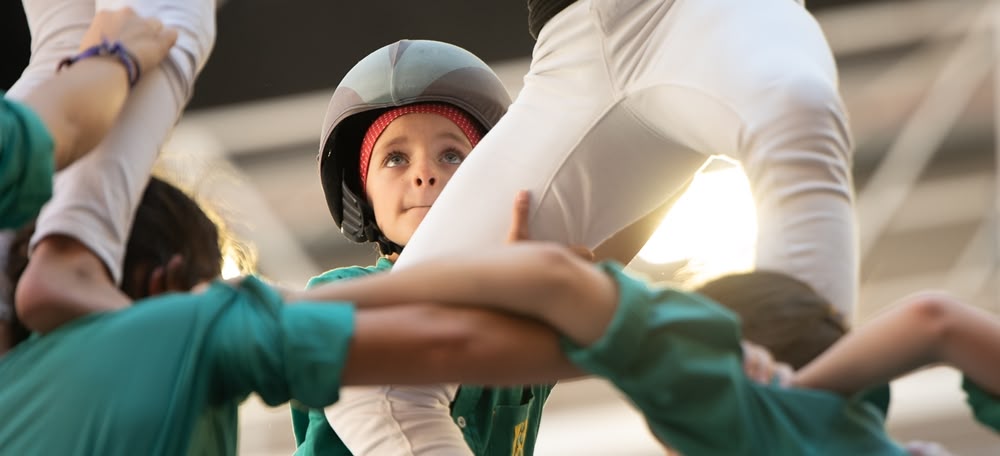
(624, 101)
(95, 199)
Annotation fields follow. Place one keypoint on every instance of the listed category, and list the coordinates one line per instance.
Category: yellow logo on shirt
(520, 434)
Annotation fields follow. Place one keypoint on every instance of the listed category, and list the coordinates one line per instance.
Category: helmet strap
(387, 247)
(372, 232)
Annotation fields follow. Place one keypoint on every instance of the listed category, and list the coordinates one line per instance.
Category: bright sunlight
(713, 226)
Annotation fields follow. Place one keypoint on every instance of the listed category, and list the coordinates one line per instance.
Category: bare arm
(924, 329)
(79, 105)
(425, 343)
(538, 280)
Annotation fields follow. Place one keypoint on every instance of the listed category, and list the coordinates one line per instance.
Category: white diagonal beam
(921, 136)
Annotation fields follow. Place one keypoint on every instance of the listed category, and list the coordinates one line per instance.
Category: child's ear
(169, 277)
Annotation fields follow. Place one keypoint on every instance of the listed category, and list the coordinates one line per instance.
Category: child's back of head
(780, 313)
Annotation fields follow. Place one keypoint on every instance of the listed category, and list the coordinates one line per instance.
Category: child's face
(410, 164)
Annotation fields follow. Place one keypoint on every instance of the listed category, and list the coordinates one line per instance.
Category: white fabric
(398, 420)
(95, 198)
(624, 101)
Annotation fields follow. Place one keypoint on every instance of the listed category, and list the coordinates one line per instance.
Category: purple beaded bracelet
(116, 50)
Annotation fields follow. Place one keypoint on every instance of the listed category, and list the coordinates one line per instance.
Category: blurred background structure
(921, 79)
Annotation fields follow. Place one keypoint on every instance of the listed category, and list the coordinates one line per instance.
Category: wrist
(108, 51)
(106, 68)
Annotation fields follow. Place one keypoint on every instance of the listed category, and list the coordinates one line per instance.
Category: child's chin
(416, 215)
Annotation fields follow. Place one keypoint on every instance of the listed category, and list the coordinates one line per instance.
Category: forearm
(80, 105)
(542, 281)
(520, 279)
(925, 329)
(424, 344)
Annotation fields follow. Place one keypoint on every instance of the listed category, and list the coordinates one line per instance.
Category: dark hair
(167, 223)
(780, 313)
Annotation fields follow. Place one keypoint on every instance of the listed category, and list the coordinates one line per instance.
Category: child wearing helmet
(397, 127)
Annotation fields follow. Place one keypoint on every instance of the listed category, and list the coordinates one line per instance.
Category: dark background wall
(269, 48)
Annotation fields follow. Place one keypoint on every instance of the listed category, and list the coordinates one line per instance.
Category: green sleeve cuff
(26, 164)
(878, 396)
(985, 406)
(318, 336)
(609, 353)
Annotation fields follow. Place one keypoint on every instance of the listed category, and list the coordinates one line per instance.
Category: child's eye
(394, 159)
(452, 157)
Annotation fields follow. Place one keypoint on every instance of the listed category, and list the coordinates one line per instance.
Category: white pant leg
(398, 420)
(57, 27)
(754, 80)
(591, 165)
(95, 198)
(621, 91)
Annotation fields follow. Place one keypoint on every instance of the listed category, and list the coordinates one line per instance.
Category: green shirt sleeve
(300, 421)
(281, 352)
(313, 435)
(985, 406)
(677, 356)
(658, 341)
(26, 164)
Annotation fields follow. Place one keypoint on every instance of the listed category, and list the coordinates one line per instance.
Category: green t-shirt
(985, 406)
(26, 164)
(166, 376)
(494, 421)
(677, 356)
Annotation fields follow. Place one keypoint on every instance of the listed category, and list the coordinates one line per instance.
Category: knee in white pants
(803, 127)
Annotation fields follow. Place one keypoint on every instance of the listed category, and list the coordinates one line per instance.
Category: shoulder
(202, 308)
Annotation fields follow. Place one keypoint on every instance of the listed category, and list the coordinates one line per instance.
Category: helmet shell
(402, 73)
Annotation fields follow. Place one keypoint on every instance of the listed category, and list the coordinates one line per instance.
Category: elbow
(63, 281)
(33, 299)
(932, 313)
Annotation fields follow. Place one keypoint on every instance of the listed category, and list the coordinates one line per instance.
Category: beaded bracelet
(116, 50)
